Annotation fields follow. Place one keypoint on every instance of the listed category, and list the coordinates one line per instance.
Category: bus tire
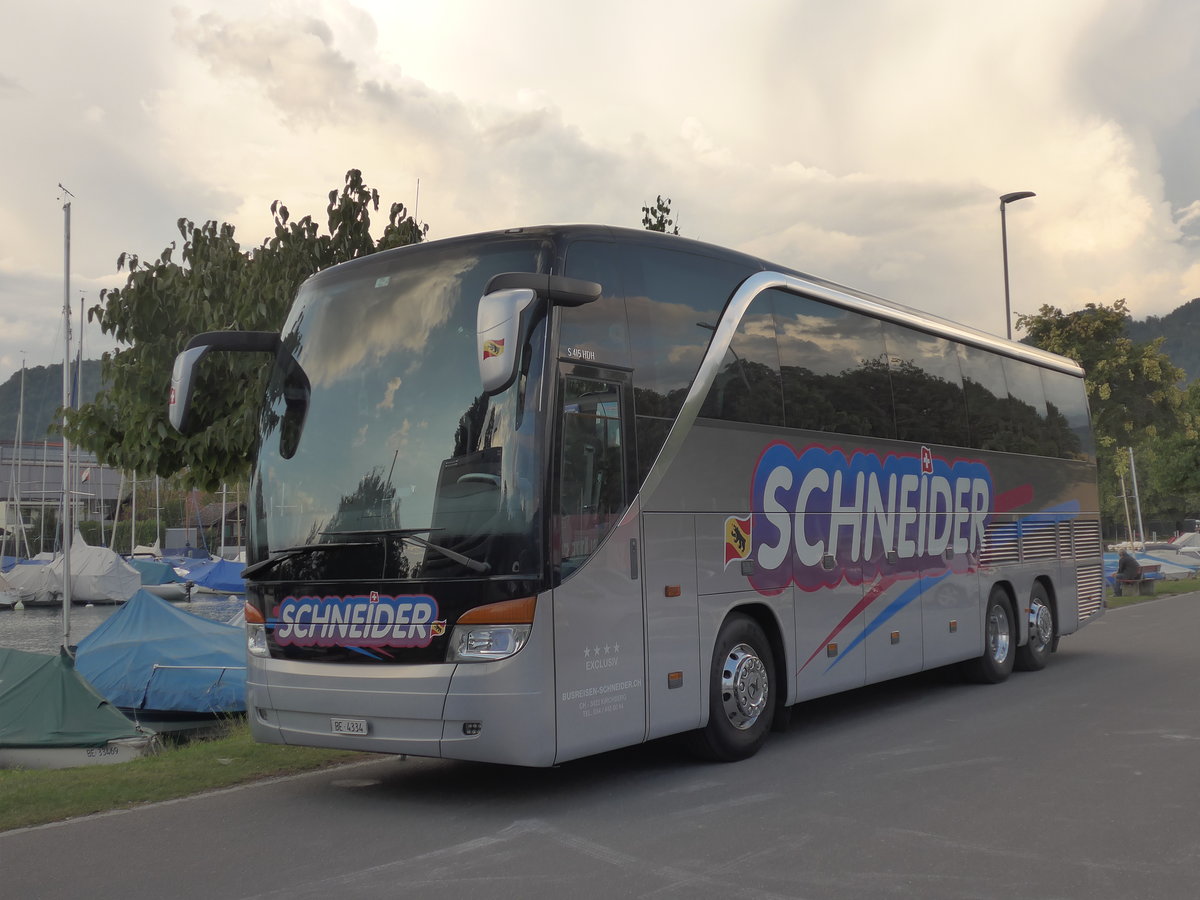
(999, 641)
(1042, 632)
(741, 707)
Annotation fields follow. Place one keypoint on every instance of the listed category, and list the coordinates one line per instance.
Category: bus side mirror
(508, 310)
(179, 406)
(183, 375)
(503, 323)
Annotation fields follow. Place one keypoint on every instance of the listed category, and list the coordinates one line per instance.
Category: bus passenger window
(747, 387)
(592, 480)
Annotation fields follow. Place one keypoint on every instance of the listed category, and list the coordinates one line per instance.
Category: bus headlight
(486, 642)
(491, 632)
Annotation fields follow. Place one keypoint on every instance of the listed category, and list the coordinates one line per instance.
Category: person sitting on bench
(1128, 570)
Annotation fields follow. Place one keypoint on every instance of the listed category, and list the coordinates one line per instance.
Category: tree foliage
(1135, 398)
(1133, 387)
(213, 285)
(658, 217)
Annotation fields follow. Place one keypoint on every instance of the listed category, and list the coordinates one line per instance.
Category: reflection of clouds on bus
(398, 439)
(837, 370)
(827, 345)
(290, 506)
(375, 340)
(396, 317)
(677, 340)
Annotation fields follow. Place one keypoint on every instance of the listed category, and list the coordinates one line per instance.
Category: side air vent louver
(1090, 589)
(1039, 540)
(1085, 540)
(1089, 577)
(1000, 544)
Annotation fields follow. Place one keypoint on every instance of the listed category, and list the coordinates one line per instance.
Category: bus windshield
(377, 433)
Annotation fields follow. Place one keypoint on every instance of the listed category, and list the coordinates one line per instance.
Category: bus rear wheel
(741, 706)
(1042, 627)
(999, 641)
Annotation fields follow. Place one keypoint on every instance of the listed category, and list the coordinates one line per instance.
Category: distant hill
(43, 397)
(1181, 328)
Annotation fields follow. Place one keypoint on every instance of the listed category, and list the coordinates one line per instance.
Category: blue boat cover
(45, 703)
(150, 655)
(154, 571)
(220, 575)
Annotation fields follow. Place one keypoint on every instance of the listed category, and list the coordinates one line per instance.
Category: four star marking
(595, 651)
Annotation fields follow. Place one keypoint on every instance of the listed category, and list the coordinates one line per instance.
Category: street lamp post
(1006, 199)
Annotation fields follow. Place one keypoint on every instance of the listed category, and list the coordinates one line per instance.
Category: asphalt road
(1080, 781)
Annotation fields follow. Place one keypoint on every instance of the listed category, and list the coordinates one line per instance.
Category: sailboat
(165, 667)
(159, 577)
(16, 595)
(50, 716)
(98, 575)
(12, 596)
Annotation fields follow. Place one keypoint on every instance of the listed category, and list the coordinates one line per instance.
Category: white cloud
(1189, 215)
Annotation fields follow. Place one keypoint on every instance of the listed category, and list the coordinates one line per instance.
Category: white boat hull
(173, 592)
(118, 751)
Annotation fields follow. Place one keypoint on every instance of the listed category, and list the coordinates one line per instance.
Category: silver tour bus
(531, 495)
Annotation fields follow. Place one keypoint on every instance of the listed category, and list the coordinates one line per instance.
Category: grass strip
(1163, 587)
(35, 797)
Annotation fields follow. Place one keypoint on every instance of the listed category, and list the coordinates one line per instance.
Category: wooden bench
(1144, 582)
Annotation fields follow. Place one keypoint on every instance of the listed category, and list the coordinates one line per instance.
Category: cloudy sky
(866, 141)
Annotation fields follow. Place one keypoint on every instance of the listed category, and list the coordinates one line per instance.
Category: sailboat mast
(1137, 501)
(112, 541)
(157, 518)
(67, 531)
(76, 400)
(42, 508)
(14, 481)
(20, 453)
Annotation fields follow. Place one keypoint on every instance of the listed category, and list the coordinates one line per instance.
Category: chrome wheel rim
(744, 686)
(1042, 625)
(998, 631)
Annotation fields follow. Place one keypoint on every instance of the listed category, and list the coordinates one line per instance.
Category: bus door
(599, 654)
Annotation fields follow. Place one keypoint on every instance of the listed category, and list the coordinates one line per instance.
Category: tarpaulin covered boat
(51, 718)
(160, 578)
(218, 576)
(157, 662)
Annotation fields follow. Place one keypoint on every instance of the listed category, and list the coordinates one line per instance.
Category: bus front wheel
(740, 702)
(999, 641)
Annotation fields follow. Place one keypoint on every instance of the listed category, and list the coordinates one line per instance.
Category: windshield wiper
(289, 552)
(410, 534)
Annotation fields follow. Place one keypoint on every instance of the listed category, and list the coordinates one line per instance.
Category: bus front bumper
(493, 711)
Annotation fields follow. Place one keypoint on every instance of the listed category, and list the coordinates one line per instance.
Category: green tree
(1173, 462)
(658, 217)
(1134, 394)
(214, 286)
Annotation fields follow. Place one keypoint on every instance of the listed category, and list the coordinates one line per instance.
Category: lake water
(40, 629)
